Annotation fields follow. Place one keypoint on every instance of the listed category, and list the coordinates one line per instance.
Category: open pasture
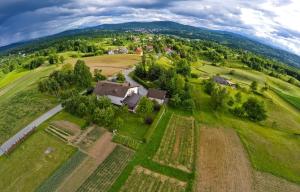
(106, 174)
(32, 162)
(144, 180)
(177, 147)
(109, 64)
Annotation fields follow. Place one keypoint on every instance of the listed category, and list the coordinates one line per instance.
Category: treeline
(173, 80)
(66, 78)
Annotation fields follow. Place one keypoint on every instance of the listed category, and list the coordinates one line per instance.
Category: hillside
(166, 27)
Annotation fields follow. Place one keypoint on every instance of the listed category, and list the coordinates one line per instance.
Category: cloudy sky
(276, 22)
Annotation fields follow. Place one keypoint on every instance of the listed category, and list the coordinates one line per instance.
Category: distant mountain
(167, 27)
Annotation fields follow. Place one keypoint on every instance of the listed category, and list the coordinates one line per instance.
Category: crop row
(53, 182)
(143, 180)
(127, 141)
(106, 174)
(177, 146)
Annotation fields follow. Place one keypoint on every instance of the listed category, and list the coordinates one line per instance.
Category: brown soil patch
(110, 64)
(102, 147)
(67, 126)
(222, 164)
(98, 152)
(265, 182)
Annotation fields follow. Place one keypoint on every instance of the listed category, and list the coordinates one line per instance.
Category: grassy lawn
(28, 165)
(295, 101)
(28, 80)
(21, 109)
(63, 115)
(273, 149)
(10, 77)
(134, 126)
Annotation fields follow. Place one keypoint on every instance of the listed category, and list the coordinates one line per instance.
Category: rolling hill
(167, 27)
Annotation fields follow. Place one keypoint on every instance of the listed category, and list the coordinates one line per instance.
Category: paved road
(15, 139)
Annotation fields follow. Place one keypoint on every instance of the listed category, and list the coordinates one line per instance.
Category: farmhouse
(139, 51)
(118, 93)
(157, 95)
(223, 81)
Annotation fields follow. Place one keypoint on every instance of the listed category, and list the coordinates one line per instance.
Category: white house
(118, 92)
(157, 95)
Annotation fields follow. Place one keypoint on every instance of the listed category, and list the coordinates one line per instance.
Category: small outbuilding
(157, 95)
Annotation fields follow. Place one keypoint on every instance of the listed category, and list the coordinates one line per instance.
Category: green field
(29, 164)
(20, 109)
(108, 171)
(53, 182)
(143, 180)
(177, 146)
(144, 156)
(272, 148)
(10, 77)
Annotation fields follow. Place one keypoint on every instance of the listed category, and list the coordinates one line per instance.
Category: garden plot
(144, 180)
(106, 174)
(223, 164)
(177, 148)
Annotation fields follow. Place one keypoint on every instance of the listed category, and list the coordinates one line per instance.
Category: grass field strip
(178, 144)
(53, 182)
(144, 180)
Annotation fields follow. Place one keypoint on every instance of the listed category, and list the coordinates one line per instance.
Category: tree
(254, 109)
(183, 67)
(120, 77)
(238, 97)
(82, 74)
(104, 116)
(53, 59)
(98, 76)
(209, 86)
(218, 97)
(145, 106)
(253, 86)
(61, 59)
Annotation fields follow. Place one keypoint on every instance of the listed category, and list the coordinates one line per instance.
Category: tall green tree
(82, 74)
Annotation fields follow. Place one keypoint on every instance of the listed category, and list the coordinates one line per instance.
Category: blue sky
(276, 22)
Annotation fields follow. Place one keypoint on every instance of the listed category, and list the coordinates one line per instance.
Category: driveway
(142, 90)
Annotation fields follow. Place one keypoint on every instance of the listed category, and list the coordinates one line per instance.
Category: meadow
(109, 64)
(30, 164)
(273, 149)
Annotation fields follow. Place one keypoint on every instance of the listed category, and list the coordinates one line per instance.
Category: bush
(194, 75)
(148, 120)
(254, 109)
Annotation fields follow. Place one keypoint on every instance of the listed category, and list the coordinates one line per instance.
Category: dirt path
(97, 154)
(223, 164)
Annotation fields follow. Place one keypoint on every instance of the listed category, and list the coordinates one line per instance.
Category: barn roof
(111, 88)
(156, 93)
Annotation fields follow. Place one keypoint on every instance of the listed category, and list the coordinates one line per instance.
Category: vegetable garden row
(106, 174)
(144, 180)
(177, 147)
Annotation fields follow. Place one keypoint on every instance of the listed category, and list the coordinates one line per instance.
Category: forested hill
(166, 27)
